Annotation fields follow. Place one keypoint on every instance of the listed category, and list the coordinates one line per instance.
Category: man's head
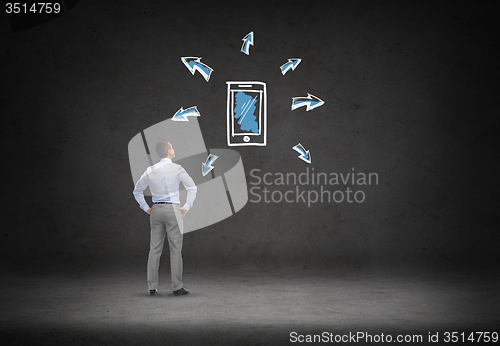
(164, 149)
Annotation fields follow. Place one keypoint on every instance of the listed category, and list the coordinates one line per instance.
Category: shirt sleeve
(141, 185)
(191, 188)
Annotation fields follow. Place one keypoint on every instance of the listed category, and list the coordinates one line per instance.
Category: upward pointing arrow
(291, 64)
(247, 41)
(194, 63)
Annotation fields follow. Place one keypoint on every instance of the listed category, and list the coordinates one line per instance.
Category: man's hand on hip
(184, 211)
(149, 211)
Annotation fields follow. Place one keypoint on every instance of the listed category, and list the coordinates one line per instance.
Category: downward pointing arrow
(206, 166)
(304, 154)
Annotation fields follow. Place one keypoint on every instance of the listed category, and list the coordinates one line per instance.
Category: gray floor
(243, 307)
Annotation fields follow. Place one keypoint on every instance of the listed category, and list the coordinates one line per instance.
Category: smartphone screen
(246, 113)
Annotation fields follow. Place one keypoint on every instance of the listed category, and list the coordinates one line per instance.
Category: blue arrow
(182, 114)
(310, 102)
(304, 154)
(247, 41)
(291, 64)
(207, 165)
(194, 63)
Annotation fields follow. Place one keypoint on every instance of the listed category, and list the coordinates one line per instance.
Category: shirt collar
(166, 159)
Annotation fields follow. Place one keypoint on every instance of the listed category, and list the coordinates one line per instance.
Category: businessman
(166, 215)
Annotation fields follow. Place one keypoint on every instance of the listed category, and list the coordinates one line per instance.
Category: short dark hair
(162, 148)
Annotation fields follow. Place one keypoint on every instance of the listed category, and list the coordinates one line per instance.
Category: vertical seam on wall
(228, 194)
(147, 148)
(225, 187)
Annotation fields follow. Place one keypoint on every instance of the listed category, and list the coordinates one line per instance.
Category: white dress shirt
(163, 179)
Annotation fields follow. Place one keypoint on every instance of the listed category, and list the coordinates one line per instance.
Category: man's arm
(141, 185)
(191, 189)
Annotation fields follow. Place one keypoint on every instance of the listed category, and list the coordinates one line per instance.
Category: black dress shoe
(181, 292)
(153, 292)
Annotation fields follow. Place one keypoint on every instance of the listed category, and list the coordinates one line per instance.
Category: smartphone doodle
(246, 113)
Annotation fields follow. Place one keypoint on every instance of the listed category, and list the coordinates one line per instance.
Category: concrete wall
(409, 91)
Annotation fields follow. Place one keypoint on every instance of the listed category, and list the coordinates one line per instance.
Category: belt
(163, 203)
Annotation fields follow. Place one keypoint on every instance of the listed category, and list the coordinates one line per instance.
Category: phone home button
(246, 139)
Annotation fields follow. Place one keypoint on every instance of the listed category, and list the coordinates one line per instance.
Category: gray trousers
(165, 219)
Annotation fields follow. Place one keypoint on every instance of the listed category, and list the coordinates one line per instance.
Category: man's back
(164, 178)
